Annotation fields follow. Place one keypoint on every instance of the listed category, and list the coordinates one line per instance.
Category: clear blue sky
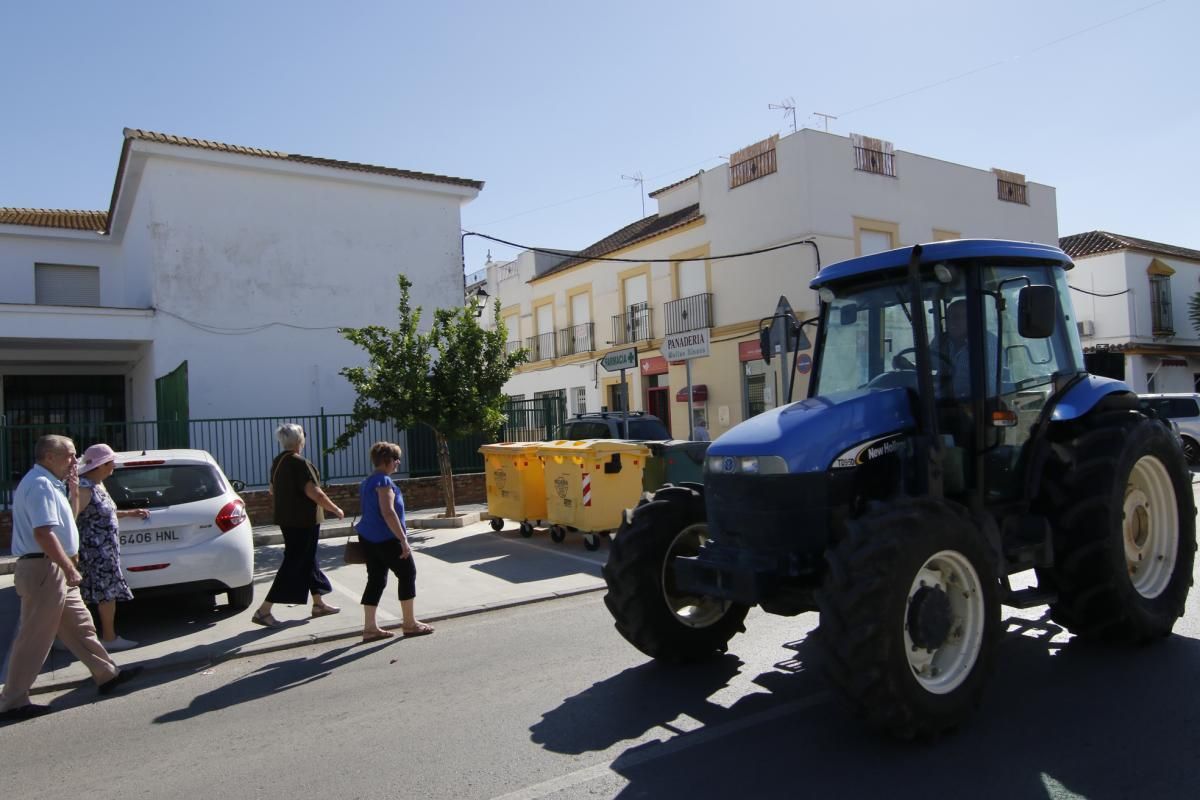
(551, 103)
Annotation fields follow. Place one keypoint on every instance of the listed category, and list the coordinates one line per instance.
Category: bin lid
(592, 446)
(511, 448)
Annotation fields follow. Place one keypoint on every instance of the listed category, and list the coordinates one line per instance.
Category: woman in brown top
(299, 503)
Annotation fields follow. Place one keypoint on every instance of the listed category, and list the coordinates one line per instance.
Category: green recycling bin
(674, 461)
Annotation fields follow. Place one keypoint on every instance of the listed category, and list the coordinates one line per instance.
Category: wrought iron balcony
(512, 347)
(632, 326)
(540, 347)
(576, 339)
(689, 313)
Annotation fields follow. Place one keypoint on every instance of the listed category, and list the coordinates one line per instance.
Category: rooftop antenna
(827, 118)
(641, 182)
(788, 106)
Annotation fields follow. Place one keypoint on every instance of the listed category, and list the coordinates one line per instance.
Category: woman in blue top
(385, 539)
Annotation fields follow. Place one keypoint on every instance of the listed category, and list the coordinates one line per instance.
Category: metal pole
(691, 408)
(784, 335)
(625, 402)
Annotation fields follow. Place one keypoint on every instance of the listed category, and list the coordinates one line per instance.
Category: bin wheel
(497, 524)
(557, 533)
(526, 530)
(591, 541)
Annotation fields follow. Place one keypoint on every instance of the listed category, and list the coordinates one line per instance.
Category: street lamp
(480, 301)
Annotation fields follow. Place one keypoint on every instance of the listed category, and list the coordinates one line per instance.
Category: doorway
(658, 403)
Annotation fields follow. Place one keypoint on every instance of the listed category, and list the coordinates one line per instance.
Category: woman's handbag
(355, 553)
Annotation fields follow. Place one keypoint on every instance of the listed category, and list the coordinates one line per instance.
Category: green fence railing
(245, 446)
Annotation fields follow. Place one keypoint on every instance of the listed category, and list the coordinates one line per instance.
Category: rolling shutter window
(66, 285)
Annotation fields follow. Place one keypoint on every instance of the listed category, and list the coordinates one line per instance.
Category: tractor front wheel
(650, 612)
(910, 617)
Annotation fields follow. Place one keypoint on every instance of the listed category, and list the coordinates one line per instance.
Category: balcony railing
(1011, 191)
(632, 326)
(512, 347)
(540, 347)
(689, 313)
(576, 339)
(876, 161)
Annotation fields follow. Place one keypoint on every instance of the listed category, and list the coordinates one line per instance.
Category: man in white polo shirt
(46, 542)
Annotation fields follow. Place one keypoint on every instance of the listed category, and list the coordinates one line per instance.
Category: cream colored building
(1133, 299)
(848, 196)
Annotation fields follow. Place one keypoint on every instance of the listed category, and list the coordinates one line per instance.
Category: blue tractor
(951, 439)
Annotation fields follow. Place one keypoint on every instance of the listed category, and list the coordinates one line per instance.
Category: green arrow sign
(620, 359)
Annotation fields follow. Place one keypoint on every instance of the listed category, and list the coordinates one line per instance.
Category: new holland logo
(728, 464)
(560, 487)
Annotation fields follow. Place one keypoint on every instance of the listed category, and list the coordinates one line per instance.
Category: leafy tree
(1194, 311)
(451, 378)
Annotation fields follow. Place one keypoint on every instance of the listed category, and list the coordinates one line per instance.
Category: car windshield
(160, 485)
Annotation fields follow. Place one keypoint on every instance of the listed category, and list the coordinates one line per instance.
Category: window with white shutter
(66, 285)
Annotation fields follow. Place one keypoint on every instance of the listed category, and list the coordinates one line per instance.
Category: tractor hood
(810, 434)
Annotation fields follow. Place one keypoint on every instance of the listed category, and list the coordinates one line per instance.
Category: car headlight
(746, 465)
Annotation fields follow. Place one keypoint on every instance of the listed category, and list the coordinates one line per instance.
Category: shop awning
(699, 394)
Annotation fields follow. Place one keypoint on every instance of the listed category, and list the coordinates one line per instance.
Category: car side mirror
(1037, 308)
(238, 486)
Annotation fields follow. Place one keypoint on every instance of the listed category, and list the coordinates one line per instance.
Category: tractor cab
(999, 342)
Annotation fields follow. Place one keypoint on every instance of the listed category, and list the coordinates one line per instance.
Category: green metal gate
(171, 399)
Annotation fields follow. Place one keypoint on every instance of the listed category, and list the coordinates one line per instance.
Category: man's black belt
(31, 555)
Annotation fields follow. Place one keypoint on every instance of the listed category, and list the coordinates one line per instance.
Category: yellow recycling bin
(589, 484)
(515, 489)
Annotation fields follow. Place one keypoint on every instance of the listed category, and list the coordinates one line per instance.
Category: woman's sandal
(422, 629)
(377, 637)
(266, 620)
(324, 611)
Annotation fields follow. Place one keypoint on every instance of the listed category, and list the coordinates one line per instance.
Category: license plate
(159, 536)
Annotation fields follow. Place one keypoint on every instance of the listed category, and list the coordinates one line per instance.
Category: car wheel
(241, 597)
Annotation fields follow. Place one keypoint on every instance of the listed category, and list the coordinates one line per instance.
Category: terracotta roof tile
(1093, 242)
(630, 234)
(184, 141)
(55, 218)
(671, 186)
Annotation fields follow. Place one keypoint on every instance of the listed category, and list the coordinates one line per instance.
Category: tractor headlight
(747, 465)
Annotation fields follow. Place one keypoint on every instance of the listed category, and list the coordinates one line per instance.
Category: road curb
(43, 686)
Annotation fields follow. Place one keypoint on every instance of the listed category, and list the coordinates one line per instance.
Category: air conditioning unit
(1086, 327)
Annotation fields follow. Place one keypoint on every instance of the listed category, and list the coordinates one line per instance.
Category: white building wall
(245, 267)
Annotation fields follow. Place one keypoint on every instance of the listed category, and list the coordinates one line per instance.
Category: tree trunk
(443, 449)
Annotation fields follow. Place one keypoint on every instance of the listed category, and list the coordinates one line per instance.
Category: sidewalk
(460, 570)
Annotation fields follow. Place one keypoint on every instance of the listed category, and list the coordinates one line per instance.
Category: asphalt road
(547, 701)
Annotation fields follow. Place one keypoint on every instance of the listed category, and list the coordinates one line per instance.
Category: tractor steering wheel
(900, 362)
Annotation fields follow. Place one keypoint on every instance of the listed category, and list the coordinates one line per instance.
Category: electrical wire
(580, 255)
(224, 331)
(1098, 294)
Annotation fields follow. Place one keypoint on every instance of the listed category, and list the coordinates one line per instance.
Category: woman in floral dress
(99, 549)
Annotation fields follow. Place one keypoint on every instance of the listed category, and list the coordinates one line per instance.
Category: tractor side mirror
(1037, 308)
(764, 344)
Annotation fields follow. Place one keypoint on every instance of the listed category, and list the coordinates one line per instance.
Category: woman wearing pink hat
(99, 549)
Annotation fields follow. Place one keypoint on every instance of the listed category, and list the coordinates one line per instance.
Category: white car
(197, 537)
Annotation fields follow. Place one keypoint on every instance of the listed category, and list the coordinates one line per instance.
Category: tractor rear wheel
(1120, 501)
(649, 611)
(910, 616)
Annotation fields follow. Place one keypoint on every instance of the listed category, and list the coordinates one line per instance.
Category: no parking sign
(803, 363)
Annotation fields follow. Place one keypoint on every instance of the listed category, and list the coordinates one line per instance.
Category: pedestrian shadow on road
(271, 679)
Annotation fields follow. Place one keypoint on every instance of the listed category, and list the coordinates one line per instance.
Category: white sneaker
(117, 644)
